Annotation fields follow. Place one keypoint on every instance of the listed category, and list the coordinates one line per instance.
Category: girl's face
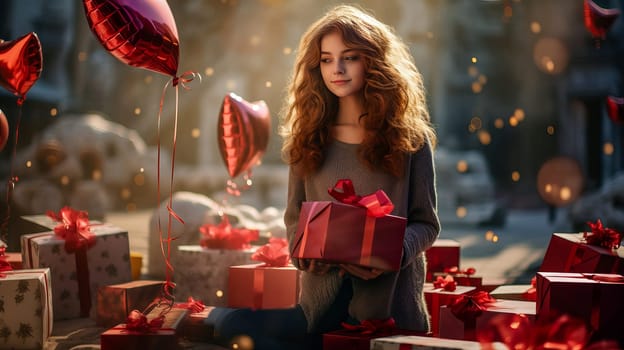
(342, 68)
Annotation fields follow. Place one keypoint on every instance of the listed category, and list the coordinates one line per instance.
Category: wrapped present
(27, 224)
(116, 301)
(571, 252)
(358, 337)
(521, 292)
(26, 316)
(156, 330)
(467, 315)
(411, 342)
(81, 257)
(360, 233)
(437, 295)
(463, 277)
(594, 298)
(443, 254)
(202, 273)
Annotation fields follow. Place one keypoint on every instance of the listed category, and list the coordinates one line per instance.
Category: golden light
(195, 132)
(461, 212)
(268, 84)
(607, 148)
(269, 234)
(141, 170)
(255, 40)
(484, 137)
(473, 59)
(64, 180)
(82, 56)
(131, 207)
(125, 193)
(137, 111)
(219, 293)
(565, 193)
(148, 79)
(139, 179)
(513, 121)
(550, 55)
(495, 239)
(209, 71)
(550, 130)
(499, 123)
(515, 176)
(489, 234)
(53, 112)
(476, 123)
(519, 114)
(507, 11)
(560, 181)
(477, 87)
(231, 84)
(28, 164)
(548, 188)
(473, 71)
(462, 166)
(242, 342)
(482, 79)
(96, 175)
(287, 51)
(536, 27)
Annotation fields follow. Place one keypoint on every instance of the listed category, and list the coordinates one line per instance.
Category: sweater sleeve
(423, 225)
(296, 195)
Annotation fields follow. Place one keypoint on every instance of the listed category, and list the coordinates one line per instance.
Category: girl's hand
(314, 266)
(358, 271)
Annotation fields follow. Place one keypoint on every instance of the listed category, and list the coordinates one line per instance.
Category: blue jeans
(279, 329)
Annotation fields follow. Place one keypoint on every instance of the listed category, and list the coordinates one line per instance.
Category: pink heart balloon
(140, 33)
(20, 64)
(243, 133)
(4, 130)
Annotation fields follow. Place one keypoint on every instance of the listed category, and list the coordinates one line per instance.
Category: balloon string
(4, 233)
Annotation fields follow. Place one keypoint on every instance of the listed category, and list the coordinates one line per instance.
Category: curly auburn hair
(396, 117)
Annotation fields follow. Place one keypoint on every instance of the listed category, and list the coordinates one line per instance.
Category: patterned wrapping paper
(116, 301)
(26, 316)
(444, 253)
(108, 262)
(202, 273)
(402, 342)
(263, 287)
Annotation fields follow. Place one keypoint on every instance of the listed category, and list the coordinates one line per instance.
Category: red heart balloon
(598, 20)
(20, 64)
(140, 33)
(243, 133)
(615, 108)
(4, 130)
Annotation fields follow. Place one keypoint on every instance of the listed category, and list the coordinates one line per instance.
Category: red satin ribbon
(224, 236)
(470, 306)
(275, 253)
(455, 271)
(531, 293)
(371, 326)
(447, 283)
(193, 305)
(602, 236)
(377, 204)
(4, 264)
(137, 322)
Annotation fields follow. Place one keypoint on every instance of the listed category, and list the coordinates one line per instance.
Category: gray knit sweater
(395, 294)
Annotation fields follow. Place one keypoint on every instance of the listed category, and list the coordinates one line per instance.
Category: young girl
(356, 109)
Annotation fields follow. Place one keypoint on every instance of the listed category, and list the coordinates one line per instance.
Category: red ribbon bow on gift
(137, 322)
(193, 305)
(224, 236)
(275, 253)
(455, 271)
(74, 228)
(470, 306)
(371, 326)
(4, 264)
(531, 293)
(377, 204)
(602, 236)
(447, 283)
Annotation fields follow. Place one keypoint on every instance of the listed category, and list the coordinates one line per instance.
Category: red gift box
(359, 337)
(568, 252)
(455, 328)
(437, 297)
(594, 298)
(262, 287)
(343, 233)
(116, 301)
(443, 254)
(520, 292)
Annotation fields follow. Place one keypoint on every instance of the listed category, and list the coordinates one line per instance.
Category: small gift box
(595, 252)
(412, 342)
(463, 277)
(116, 301)
(156, 330)
(267, 285)
(594, 298)
(467, 315)
(521, 292)
(357, 230)
(439, 294)
(81, 257)
(358, 337)
(27, 224)
(443, 254)
(202, 273)
(26, 316)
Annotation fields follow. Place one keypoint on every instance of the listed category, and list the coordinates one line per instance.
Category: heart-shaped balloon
(4, 130)
(20, 64)
(243, 133)
(615, 108)
(598, 20)
(140, 33)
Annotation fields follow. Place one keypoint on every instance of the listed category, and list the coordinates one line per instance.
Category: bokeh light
(608, 148)
(550, 55)
(560, 181)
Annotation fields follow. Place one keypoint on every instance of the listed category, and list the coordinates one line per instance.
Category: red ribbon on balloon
(224, 236)
(601, 236)
(447, 283)
(274, 254)
(377, 204)
(371, 326)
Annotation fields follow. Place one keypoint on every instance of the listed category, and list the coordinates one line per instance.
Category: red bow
(531, 293)
(470, 306)
(224, 236)
(602, 236)
(447, 283)
(4, 264)
(137, 322)
(275, 253)
(455, 271)
(371, 326)
(193, 305)
(377, 204)
(74, 228)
